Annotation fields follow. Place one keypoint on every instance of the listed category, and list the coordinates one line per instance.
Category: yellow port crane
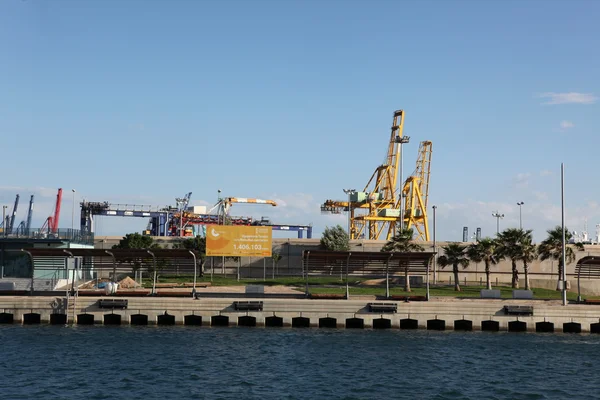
(376, 211)
(416, 193)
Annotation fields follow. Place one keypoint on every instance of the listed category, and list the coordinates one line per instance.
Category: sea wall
(474, 314)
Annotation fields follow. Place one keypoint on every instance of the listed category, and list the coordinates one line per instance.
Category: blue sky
(141, 102)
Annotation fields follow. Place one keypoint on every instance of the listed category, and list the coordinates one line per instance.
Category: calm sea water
(100, 362)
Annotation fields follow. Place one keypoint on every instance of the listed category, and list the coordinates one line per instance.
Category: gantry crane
(25, 225)
(416, 193)
(375, 213)
(375, 210)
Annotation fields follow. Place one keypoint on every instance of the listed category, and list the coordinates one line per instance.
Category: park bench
(248, 305)
(518, 310)
(112, 303)
(383, 307)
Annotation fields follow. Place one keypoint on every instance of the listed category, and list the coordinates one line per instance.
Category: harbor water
(103, 362)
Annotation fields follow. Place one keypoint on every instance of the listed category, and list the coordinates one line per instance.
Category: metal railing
(71, 235)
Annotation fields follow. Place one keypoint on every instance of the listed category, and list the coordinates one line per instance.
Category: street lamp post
(434, 249)
(520, 203)
(564, 244)
(497, 215)
(73, 213)
(219, 208)
(349, 193)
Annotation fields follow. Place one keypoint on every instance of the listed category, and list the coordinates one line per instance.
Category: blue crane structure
(11, 224)
(25, 225)
(165, 221)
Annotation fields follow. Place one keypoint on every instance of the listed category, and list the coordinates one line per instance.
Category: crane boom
(416, 191)
(375, 210)
(14, 214)
(29, 215)
(246, 200)
(52, 221)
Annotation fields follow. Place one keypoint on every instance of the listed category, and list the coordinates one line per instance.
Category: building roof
(366, 263)
(119, 254)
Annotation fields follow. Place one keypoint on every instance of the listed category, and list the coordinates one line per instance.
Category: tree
(276, 257)
(197, 243)
(136, 241)
(551, 248)
(528, 253)
(335, 239)
(484, 250)
(509, 246)
(403, 243)
(454, 254)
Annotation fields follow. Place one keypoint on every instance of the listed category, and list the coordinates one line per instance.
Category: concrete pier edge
(459, 315)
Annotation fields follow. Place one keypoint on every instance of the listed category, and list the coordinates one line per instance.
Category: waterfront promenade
(280, 311)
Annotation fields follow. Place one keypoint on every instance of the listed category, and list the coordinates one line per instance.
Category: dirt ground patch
(379, 282)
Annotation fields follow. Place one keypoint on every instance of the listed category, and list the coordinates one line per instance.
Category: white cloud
(536, 215)
(522, 179)
(568, 98)
(545, 172)
(566, 124)
(541, 196)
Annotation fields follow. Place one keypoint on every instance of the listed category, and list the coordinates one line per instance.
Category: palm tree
(509, 246)
(454, 254)
(528, 252)
(484, 250)
(402, 243)
(551, 248)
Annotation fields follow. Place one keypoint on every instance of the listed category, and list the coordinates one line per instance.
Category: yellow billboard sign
(238, 241)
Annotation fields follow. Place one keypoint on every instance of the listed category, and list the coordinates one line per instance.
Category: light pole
(520, 203)
(180, 204)
(73, 213)
(434, 249)
(497, 215)
(349, 193)
(564, 245)
(401, 141)
(219, 208)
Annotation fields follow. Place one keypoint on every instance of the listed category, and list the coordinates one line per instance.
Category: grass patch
(444, 291)
(333, 285)
(294, 281)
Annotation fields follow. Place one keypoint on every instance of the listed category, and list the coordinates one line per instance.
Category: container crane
(376, 212)
(51, 223)
(416, 192)
(25, 225)
(11, 224)
(375, 209)
(29, 215)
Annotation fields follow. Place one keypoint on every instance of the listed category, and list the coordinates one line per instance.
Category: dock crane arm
(14, 214)
(29, 215)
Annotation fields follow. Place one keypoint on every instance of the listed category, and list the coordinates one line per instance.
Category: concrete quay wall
(476, 314)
